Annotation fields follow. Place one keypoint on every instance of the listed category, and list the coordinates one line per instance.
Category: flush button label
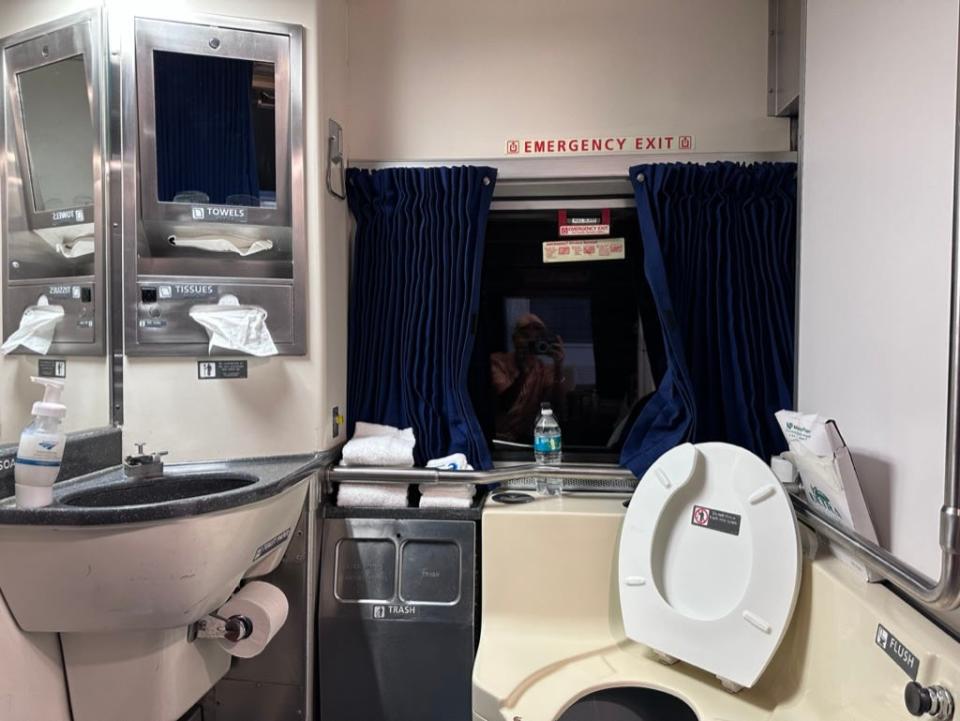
(901, 655)
(716, 520)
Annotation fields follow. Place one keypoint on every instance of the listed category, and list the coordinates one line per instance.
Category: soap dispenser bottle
(41, 448)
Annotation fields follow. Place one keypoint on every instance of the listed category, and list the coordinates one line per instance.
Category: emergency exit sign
(600, 145)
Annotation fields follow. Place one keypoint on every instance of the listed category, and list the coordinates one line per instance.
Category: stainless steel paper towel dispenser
(213, 156)
(52, 180)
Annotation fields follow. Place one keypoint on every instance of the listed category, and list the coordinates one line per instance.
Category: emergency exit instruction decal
(601, 145)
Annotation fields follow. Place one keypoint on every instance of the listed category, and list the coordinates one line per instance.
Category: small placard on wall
(579, 251)
(226, 369)
(51, 368)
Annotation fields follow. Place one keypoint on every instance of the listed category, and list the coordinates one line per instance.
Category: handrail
(373, 474)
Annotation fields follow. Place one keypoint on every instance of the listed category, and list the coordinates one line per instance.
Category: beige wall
(87, 392)
(284, 405)
(455, 79)
(877, 158)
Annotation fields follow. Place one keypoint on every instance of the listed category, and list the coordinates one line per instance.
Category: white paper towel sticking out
(266, 606)
(70, 241)
(235, 327)
(223, 244)
(37, 326)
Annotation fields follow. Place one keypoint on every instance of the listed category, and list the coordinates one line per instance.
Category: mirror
(59, 136)
(216, 130)
(52, 304)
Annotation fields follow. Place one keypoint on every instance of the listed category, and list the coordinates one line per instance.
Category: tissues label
(901, 655)
(715, 520)
(209, 370)
(186, 290)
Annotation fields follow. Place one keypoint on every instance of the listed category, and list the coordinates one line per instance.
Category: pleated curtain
(719, 245)
(417, 260)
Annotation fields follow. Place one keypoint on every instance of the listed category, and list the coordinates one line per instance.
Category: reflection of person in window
(522, 379)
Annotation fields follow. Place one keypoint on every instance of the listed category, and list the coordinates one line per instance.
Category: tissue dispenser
(164, 325)
(76, 332)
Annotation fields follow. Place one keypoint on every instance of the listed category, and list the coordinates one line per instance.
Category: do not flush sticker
(716, 520)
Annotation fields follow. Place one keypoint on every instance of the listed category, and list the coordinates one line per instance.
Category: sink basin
(156, 490)
(141, 554)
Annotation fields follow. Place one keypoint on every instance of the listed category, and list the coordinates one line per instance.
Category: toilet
(688, 593)
(709, 563)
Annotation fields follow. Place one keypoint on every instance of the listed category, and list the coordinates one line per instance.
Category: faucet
(143, 465)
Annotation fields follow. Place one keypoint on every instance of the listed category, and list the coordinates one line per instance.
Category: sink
(156, 490)
(114, 553)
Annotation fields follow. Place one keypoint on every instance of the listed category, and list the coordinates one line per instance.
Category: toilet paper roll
(784, 470)
(266, 606)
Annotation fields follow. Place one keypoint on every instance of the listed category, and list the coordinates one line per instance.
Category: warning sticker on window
(572, 251)
(716, 520)
(584, 222)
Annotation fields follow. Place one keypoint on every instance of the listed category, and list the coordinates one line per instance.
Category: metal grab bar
(372, 474)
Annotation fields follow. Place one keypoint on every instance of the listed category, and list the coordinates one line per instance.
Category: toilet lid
(710, 560)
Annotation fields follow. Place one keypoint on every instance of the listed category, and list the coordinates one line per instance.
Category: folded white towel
(376, 495)
(446, 495)
(445, 502)
(365, 430)
(376, 445)
(453, 462)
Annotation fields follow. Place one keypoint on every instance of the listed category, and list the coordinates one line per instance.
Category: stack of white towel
(377, 445)
(385, 446)
(448, 495)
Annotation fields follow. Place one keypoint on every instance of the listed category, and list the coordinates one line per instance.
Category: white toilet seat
(709, 566)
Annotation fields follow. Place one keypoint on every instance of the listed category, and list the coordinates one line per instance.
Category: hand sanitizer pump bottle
(41, 448)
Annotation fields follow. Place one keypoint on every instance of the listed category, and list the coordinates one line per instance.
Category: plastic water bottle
(547, 448)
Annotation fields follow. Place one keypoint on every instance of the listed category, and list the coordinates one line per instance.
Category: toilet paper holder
(234, 628)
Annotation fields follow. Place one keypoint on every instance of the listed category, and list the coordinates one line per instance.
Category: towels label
(901, 655)
(51, 368)
(394, 612)
(230, 213)
(231, 369)
(715, 520)
(67, 217)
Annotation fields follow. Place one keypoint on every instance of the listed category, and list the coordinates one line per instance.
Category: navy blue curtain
(205, 137)
(418, 255)
(719, 245)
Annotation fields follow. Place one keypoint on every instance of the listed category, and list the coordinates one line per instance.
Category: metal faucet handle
(157, 454)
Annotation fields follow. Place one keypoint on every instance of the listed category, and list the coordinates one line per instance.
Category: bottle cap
(50, 405)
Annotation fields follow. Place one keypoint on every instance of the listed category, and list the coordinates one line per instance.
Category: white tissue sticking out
(235, 327)
(70, 241)
(223, 244)
(266, 606)
(37, 326)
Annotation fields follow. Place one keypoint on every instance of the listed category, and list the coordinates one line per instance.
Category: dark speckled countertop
(271, 475)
